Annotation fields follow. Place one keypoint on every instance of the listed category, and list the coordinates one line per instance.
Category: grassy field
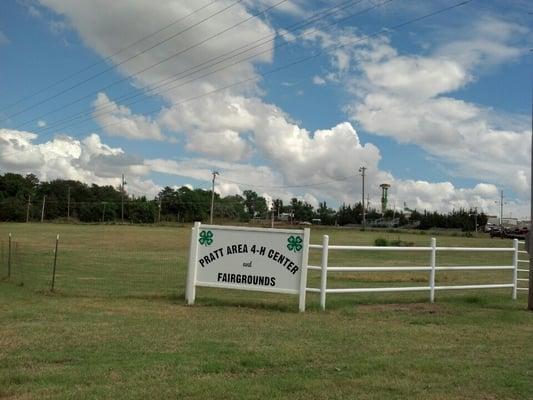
(117, 326)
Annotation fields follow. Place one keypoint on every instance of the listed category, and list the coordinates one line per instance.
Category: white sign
(268, 260)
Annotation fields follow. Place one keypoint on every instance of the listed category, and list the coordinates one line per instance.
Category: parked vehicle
(509, 233)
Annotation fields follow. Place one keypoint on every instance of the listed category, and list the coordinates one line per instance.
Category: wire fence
(101, 267)
(149, 261)
(132, 211)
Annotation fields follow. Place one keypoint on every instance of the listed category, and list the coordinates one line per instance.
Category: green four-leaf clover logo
(206, 238)
(294, 243)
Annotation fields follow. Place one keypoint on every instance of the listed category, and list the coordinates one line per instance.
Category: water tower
(384, 197)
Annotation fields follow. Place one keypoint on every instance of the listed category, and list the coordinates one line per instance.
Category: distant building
(285, 217)
(494, 221)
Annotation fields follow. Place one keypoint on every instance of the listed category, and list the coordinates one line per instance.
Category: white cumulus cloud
(119, 120)
(88, 160)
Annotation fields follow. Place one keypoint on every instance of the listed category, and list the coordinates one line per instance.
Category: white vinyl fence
(523, 268)
(432, 269)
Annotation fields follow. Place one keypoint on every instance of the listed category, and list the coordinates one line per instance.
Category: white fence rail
(432, 269)
(523, 269)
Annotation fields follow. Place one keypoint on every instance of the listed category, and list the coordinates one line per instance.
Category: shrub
(400, 243)
(381, 242)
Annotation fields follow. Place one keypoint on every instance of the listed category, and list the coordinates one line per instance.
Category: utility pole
(159, 212)
(42, 209)
(68, 203)
(530, 250)
(28, 209)
(474, 214)
(122, 189)
(501, 209)
(272, 214)
(362, 171)
(215, 173)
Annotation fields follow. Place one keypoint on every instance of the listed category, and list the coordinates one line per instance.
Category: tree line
(25, 198)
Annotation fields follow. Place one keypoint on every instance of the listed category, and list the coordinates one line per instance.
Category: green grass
(128, 333)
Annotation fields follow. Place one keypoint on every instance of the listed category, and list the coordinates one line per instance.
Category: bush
(381, 242)
(400, 243)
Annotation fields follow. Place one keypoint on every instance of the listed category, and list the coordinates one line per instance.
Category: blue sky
(439, 108)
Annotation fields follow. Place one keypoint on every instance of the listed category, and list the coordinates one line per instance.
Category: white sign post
(266, 260)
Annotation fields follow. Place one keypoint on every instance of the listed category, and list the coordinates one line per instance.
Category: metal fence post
(9, 258)
(515, 268)
(324, 276)
(432, 271)
(55, 263)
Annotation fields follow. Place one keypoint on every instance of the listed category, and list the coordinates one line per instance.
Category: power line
(108, 58)
(305, 59)
(265, 40)
(302, 60)
(287, 186)
(228, 55)
(161, 61)
(125, 61)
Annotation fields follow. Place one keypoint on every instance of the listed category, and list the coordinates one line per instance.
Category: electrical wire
(125, 61)
(302, 60)
(308, 58)
(229, 55)
(287, 186)
(163, 60)
(108, 58)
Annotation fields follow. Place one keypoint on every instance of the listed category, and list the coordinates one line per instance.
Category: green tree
(327, 215)
(256, 206)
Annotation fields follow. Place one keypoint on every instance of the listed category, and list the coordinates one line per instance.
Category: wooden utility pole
(42, 209)
(159, 212)
(501, 209)
(215, 173)
(122, 202)
(68, 203)
(475, 218)
(362, 171)
(28, 209)
(530, 249)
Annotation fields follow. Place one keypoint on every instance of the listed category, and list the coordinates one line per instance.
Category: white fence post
(303, 277)
(324, 276)
(432, 271)
(515, 268)
(190, 291)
